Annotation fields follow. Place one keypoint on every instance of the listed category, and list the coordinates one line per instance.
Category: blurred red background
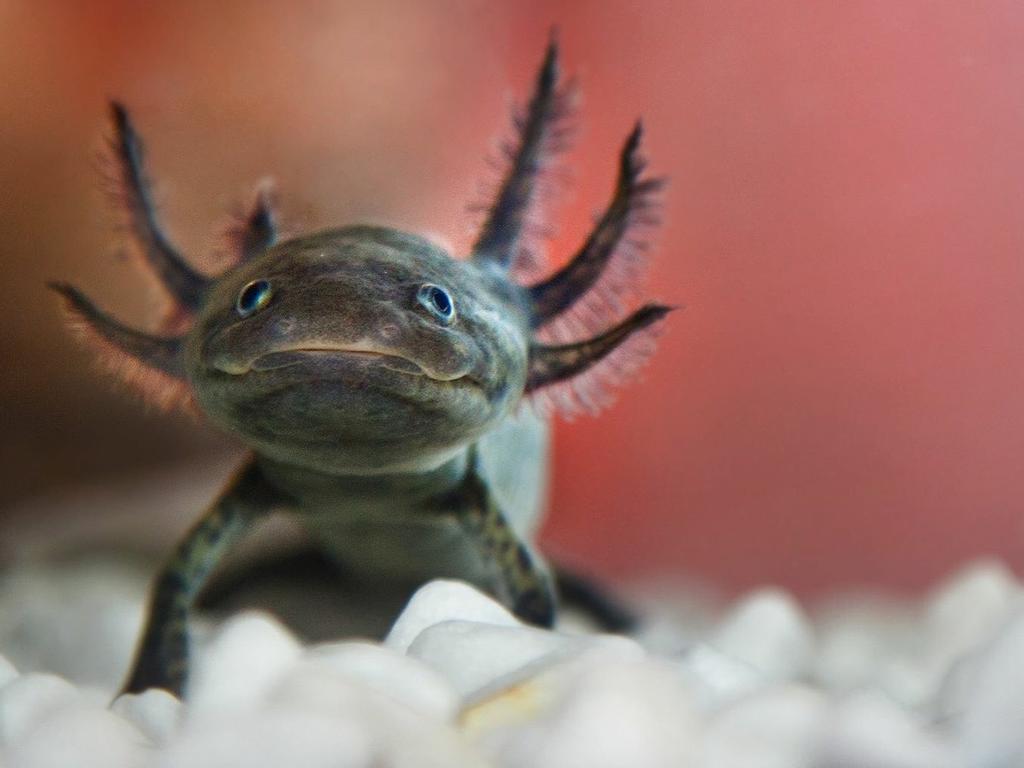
(841, 402)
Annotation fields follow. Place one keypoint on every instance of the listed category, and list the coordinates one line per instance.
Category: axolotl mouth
(286, 358)
(330, 360)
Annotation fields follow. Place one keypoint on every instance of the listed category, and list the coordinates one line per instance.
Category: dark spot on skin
(214, 534)
(171, 591)
(503, 547)
(475, 494)
(523, 559)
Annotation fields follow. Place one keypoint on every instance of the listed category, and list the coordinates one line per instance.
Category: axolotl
(394, 398)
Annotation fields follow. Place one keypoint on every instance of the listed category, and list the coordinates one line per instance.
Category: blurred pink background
(840, 404)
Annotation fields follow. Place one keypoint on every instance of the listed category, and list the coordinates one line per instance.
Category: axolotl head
(358, 348)
(365, 349)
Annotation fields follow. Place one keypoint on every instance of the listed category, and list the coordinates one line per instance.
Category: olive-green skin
(359, 403)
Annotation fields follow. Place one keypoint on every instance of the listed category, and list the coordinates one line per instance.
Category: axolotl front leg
(162, 659)
(520, 579)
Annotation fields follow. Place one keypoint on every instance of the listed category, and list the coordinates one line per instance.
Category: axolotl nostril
(388, 391)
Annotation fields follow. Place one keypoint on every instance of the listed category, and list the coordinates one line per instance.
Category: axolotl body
(381, 384)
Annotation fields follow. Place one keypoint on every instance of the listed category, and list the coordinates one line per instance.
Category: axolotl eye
(437, 301)
(253, 297)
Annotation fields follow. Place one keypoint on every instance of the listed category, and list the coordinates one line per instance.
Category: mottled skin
(379, 384)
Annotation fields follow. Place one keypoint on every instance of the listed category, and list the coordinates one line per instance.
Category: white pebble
(245, 658)
(910, 680)
(606, 715)
(101, 600)
(397, 735)
(967, 609)
(389, 672)
(862, 642)
(445, 600)
(475, 657)
(869, 730)
(972, 601)
(948, 705)
(30, 700)
(675, 616)
(715, 679)
(323, 691)
(271, 739)
(79, 735)
(776, 728)
(769, 632)
(156, 713)
(958, 617)
(989, 731)
(470, 654)
(461, 683)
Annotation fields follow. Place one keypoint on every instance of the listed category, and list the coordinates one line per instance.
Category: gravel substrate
(867, 683)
